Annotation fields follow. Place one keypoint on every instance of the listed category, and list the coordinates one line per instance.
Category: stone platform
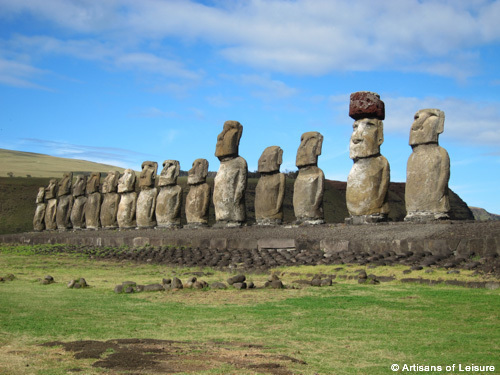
(463, 238)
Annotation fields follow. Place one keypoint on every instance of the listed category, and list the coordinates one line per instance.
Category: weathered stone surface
(93, 210)
(110, 184)
(168, 206)
(64, 186)
(231, 180)
(228, 140)
(93, 182)
(111, 201)
(198, 197)
(169, 173)
(270, 190)
(310, 183)
(276, 243)
(80, 185)
(50, 214)
(126, 183)
(236, 279)
(63, 214)
(367, 186)
(366, 104)
(428, 169)
(38, 218)
(145, 210)
(368, 181)
(128, 200)
(146, 201)
(109, 210)
(308, 195)
(78, 212)
(169, 200)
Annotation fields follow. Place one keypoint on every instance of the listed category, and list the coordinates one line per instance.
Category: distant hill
(23, 164)
(482, 215)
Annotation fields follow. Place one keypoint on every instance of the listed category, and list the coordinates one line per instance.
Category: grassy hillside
(22, 164)
(482, 215)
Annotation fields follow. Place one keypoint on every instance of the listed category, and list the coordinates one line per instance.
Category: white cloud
(153, 112)
(20, 74)
(303, 36)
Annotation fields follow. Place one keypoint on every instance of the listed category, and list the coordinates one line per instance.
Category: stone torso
(427, 175)
(308, 193)
(78, 212)
(269, 195)
(126, 210)
(109, 210)
(367, 186)
(168, 206)
(145, 211)
(229, 190)
(197, 202)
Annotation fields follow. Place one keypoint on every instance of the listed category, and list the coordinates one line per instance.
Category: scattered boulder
(218, 285)
(47, 280)
(77, 283)
(236, 279)
(176, 283)
(153, 288)
(118, 288)
(240, 286)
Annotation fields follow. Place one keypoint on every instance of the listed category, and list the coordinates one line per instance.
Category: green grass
(343, 329)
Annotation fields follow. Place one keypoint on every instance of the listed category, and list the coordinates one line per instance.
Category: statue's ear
(440, 125)
(380, 139)
(320, 144)
(280, 156)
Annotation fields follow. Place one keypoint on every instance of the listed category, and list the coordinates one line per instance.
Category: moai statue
(110, 202)
(169, 200)
(128, 200)
(93, 205)
(146, 202)
(309, 186)
(198, 197)
(231, 181)
(51, 208)
(270, 190)
(428, 169)
(38, 219)
(64, 202)
(368, 180)
(78, 210)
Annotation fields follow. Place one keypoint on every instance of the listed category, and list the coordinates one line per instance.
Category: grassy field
(342, 329)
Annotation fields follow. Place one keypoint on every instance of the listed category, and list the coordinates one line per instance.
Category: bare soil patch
(149, 356)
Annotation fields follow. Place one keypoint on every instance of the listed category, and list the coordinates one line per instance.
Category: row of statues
(63, 205)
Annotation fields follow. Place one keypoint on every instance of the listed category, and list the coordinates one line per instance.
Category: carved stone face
(111, 182)
(40, 195)
(64, 187)
(50, 190)
(126, 182)
(79, 185)
(366, 138)
(428, 124)
(169, 173)
(93, 182)
(229, 140)
(198, 173)
(271, 159)
(309, 149)
(148, 175)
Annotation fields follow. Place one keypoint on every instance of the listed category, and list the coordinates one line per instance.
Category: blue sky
(123, 81)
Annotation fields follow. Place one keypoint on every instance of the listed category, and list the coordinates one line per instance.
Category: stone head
(309, 149)
(198, 173)
(79, 185)
(367, 136)
(64, 186)
(126, 183)
(40, 195)
(169, 173)
(271, 159)
(50, 190)
(426, 127)
(148, 174)
(93, 182)
(228, 140)
(110, 184)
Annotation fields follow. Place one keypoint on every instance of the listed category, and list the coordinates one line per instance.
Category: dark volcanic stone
(240, 285)
(119, 288)
(176, 283)
(218, 285)
(153, 288)
(236, 279)
(365, 104)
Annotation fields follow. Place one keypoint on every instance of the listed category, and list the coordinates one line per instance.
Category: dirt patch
(148, 356)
